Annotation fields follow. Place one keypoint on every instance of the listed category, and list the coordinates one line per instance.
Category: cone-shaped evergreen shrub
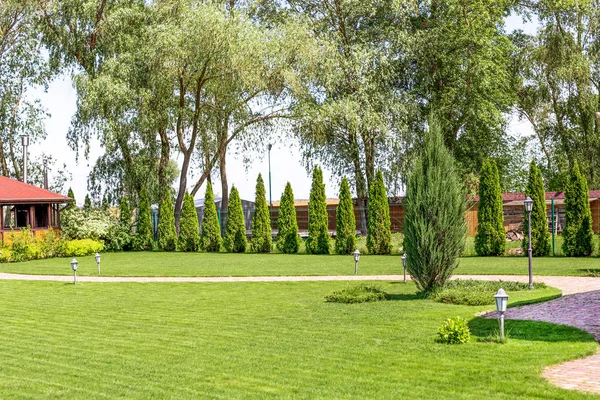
(210, 238)
(87, 204)
(167, 235)
(434, 225)
(235, 240)
(125, 214)
(540, 235)
(318, 235)
(287, 235)
(578, 232)
(262, 238)
(189, 233)
(105, 205)
(379, 234)
(71, 195)
(345, 231)
(490, 239)
(144, 234)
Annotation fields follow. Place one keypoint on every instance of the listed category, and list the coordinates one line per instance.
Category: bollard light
(501, 302)
(74, 265)
(98, 262)
(529, 208)
(356, 258)
(404, 265)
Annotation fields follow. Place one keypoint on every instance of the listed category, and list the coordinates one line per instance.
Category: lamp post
(98, 262)
(528, 208)
(270, 197)
(45, 163)
(501, 302)
(404, 265)
(25, 143)
(356, 258)
(74, 265)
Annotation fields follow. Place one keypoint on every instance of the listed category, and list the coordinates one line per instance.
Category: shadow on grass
(405, 296)
(529, 330)
(534, 301)
(590, 272)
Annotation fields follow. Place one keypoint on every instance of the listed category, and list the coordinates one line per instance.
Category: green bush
(358, 294)
(50, 244)
(379, 235)
(235, 232)
(476, 293)
(189, 233)
(123, 236)
(87, 204)
(490, 239)
(71, 195)
(578, 234)
(287, 235)
(262, 239)
(540, 235)
(22, 245)
(144, 235)
(167, 235)
(125, 213)
(454, 331)
(345, 232)
(82, 247)
(210, 239)
(434, 222)
(318, 234)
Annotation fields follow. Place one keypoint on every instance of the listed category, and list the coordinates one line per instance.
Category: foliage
(77, 224)
(491, 237)
(287, 227)
(358, 294)
(210, 238)
(477, 293)
(144, 235)
(82, 247)
(189, 233)
(345, 226)
(167, 235)
(125, 213)
(70, 194)
(22, 245)
(434, 207)
(262, 239)
(318, 233)
(454, 331)
(87, 204)
(235, 240)
(540, 236)
(379, 234)
(578, 232)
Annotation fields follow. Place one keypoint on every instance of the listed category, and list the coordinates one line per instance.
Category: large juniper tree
(318, 234)
(189, 234)
(379, 238)
(345, 227)
(540, 236)
(167, 235)
(235, 240)
(210, 238)
(287, 226)
(262, 238)
(434, 224)
(578, 232)
(491, 237)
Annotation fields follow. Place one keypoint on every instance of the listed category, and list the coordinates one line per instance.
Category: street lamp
(25, 143)
(98, 262)
(74, 265)
(356, 258)
(528, 208)
(501, 302)
(270, 197)
(404, 265)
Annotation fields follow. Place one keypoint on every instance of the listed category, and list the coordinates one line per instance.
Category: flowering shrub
(82, 247)
(78, 224)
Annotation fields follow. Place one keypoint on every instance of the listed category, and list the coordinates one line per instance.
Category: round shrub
(82, 247)
(357, 294)
(454, 331)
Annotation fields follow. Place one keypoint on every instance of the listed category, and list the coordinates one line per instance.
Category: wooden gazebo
(23, 205)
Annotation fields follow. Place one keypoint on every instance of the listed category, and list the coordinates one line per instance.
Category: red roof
(13, 191)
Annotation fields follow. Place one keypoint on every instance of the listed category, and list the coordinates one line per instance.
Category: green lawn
(222, 264)
(263, 340)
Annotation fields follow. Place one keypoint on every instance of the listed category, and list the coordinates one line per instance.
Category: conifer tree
(189, 233)
(287, 226)
(71, 195)
(87, 204)
(540, 236)
(210, 238)
(167, 235)
(235, 240)
(318, 234)
(262, 238)
(145, 233)
(490, 239)
(578, 232)
(105, 205)
(345, 231)
(379, 234)
(434, 224)
(125, 214)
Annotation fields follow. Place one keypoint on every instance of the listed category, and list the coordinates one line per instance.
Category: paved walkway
(579, 307)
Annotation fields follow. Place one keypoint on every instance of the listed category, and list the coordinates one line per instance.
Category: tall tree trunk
(3, 159)
(224, 130)
(164, 162)
(361, 188)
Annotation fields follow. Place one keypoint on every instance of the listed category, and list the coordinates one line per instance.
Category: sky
(60, 99)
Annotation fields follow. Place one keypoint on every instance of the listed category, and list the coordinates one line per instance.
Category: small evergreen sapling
(210, 238)
(490, 239)
(318, 234)
(345, 233)
(189, 233)
(262, 239)
(71, 195)
(287, 235)
(578, 232)
(87, 204)
(125, 214)
(167, 235)
(235, 233)
(379, 235)
(145, 232)
(540, 235)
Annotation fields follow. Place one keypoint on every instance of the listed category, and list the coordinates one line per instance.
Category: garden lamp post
(356, 258)
(98, 262)
(25, 143)
(528, 208)
(404, 265)
(270, 146)
(501, 302)
(74, 265)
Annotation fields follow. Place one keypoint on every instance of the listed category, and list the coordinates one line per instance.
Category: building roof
(17, 192)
